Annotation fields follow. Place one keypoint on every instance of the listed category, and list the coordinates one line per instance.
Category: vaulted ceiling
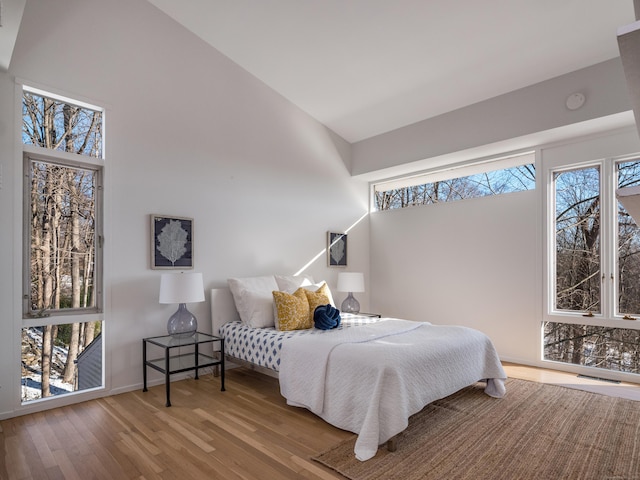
(364, 67)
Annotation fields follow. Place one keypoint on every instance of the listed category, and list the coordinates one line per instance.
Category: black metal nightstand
(184, 362)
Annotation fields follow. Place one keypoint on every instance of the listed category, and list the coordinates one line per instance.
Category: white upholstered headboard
(223, 309)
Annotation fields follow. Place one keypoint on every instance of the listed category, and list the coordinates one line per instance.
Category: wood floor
(247, 432)
(630, 391)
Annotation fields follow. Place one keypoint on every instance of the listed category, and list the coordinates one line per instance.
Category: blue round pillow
(326, 317)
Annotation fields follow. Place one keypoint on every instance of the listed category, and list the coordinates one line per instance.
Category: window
(60, 359)
(56, 123)
(577, 194)
(596, 267)
(62, 233)
(593, 346)
(628, 267)
(495, 177)
(63, 167)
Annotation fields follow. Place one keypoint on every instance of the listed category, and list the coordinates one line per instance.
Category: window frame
(609, 315)
(71, 101)
(564, 159)
(33, 153)
(95, 313)
(604, 252)
(455, 171)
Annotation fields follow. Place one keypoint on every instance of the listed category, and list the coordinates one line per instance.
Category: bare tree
(579, 277)
(473, 186)
(47, 352)
(62, 222)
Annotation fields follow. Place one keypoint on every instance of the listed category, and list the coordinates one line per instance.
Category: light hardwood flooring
(571, 380)
(247, 432)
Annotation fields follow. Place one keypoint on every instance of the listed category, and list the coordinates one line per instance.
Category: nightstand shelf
(183, 363)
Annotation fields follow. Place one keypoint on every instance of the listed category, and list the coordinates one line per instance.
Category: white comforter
(371, 379)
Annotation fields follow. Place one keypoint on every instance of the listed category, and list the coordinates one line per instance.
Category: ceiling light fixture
(575, 101)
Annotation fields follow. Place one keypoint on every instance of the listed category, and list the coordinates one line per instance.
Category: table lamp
(350, 282)
(181, 288)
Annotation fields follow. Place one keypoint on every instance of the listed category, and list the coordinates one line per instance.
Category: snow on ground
(31, 383)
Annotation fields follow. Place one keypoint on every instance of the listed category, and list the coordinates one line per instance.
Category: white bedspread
(371, 379)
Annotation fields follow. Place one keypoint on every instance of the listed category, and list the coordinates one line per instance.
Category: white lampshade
(350, 282)
(181, 288)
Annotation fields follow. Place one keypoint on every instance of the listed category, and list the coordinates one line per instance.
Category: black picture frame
(336, 249)
(171, 242)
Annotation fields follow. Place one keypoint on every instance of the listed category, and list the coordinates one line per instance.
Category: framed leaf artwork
(336, 249)
(171, 242)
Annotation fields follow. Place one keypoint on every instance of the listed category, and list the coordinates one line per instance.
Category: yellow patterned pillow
(317, 298)
(324, 289)
(292, 310)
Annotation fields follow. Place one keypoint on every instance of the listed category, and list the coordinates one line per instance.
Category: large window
(596, 268)
(62, 298)
(62, 233)
(479, 179)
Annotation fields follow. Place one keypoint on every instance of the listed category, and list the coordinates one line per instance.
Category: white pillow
(290, 283)
(254, 299)
(306, 283)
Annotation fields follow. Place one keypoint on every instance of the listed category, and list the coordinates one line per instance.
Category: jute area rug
(536, 431)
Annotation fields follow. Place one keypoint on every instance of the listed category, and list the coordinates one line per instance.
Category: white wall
(188, 133)
(9, 345)
(471, 262)
(480, 262)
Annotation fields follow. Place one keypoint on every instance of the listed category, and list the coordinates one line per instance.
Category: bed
(368, 375)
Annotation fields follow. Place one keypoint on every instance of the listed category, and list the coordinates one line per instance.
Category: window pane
(628, 245)
(484, 184)
(59, 125)
(60, 359)
(577, 233)
(62, 214)
(593, 346)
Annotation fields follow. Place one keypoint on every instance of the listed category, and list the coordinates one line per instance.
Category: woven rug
(536, 431)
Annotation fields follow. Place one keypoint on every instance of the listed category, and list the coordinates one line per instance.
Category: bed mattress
(262, 346)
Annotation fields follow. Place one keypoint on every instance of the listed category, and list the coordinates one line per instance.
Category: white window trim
(608, 317)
